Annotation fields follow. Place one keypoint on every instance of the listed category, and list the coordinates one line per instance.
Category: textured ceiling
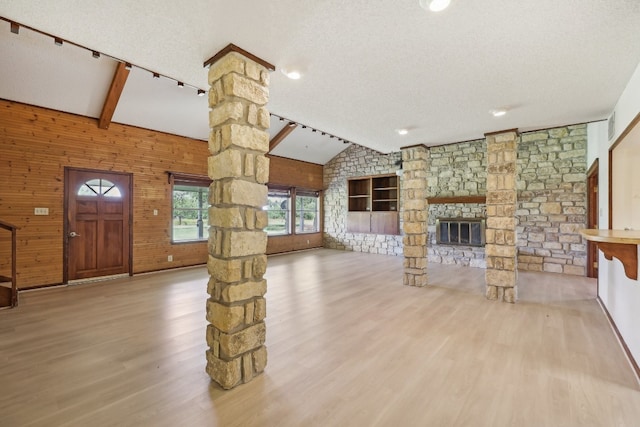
(369, 67)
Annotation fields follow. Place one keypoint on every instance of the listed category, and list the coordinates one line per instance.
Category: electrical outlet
(307, 241)
(41, 211)
(155, 212)
(169, 258)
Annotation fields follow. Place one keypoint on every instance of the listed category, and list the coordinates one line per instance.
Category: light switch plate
(41, 211)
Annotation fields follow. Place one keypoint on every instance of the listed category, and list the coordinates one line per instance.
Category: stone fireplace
(456, 250)
(460, 231)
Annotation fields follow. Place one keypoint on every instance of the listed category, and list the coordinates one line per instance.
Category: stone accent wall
(353, 162)
(237, 262)
(456, 170)
(415, 214)
(501, 273)
(551, 184)
(552, 199)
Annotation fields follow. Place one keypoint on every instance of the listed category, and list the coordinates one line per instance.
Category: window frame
(189, 180)
(278, 191)
(294, 193)
(306, 193)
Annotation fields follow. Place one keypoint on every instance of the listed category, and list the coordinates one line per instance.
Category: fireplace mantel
(457, 199)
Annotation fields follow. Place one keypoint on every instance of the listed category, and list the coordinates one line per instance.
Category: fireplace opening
(460, 231)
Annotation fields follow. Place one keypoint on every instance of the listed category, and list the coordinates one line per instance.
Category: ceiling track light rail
(293, 123)
(15, 29)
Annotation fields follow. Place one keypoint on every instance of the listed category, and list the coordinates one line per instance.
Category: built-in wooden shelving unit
(373, 204)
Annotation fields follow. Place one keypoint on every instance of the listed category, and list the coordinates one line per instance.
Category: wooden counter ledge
(621, 244)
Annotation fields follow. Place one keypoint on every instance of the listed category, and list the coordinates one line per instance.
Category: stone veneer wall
(456, 170)
(552, 199)
(501, 274)
(353, 162)
(415, 211)
(237, 164)
(551, 185)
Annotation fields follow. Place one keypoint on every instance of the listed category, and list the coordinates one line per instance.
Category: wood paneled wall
(36, 144)
(294, 173)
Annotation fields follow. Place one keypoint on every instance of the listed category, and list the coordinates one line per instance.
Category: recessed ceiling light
(498, 113)
(402, 131)
(435, 5)
(292, 74)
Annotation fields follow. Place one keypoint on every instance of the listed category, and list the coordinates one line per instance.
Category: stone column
(500, 249)
(415, 214)
(239, 169)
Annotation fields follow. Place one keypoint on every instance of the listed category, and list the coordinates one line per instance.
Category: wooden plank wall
(35, 146)
(294, 173)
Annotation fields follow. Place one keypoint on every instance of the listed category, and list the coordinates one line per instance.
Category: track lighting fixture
(292, 123)
(15, 29)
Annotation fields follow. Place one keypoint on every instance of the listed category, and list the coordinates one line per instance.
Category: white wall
(619, 294)
(626, 182)
(596, 133)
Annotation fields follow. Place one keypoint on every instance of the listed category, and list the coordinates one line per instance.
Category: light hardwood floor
(348, 346)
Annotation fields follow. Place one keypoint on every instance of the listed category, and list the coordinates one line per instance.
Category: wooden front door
(98, 219)
(592, 219)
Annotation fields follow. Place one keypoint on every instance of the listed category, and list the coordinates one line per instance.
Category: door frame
(593, 217)
(65, 225)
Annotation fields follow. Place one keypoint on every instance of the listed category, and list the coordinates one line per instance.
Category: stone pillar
(500, 249)
(239, 169)
(415, 214)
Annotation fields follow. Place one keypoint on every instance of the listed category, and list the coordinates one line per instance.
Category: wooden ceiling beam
(113, 96)
(284, 132)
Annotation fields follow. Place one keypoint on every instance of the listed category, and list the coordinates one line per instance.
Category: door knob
(73, 234)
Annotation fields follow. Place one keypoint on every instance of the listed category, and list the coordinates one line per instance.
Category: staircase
(8, 284)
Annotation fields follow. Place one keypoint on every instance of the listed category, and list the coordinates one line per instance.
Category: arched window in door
(98, 186)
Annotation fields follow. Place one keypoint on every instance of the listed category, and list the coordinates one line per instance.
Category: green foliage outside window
(190, 213)
(307, 214)
(278, 213)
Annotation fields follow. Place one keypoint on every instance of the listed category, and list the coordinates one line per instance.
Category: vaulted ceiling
(369, 68)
